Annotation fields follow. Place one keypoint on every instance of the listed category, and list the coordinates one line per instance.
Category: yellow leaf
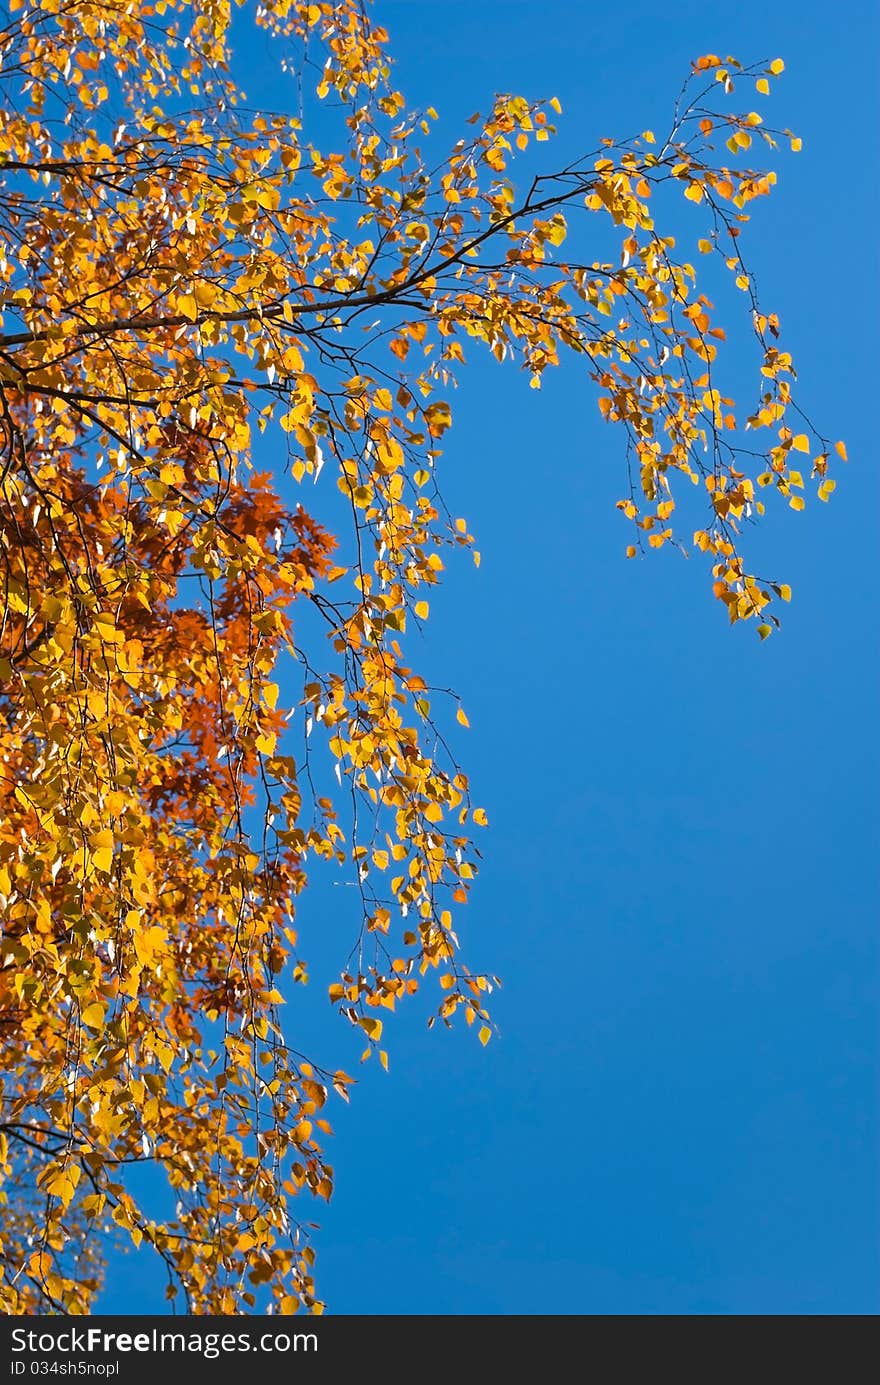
(801, 443)
(764, 631)
(266, 742)
(785, 592)
(460, 717)
(777, 66)
(93, 1015)
(270, 694)
(147, 942)
(763, 86)
(204, 293)
(263, 196)
(797, 144)
(694, 192)
(188, 306)
(101, 847)
(840, 449)
(105, 629)
(371, 1027)
(63, 1182)
(796, 502)
(389, 453)
(422, 609)
(484, 1035)
(480, 818)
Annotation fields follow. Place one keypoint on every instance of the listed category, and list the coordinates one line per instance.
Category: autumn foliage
(180, 274)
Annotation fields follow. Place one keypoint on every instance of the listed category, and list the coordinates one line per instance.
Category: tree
(179, 272)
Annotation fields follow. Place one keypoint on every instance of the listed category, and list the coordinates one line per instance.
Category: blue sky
(680, 1114)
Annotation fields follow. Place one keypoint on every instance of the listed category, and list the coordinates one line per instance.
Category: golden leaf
(101, 847)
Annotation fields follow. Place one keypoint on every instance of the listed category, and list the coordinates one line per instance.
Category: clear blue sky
(680, 891)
